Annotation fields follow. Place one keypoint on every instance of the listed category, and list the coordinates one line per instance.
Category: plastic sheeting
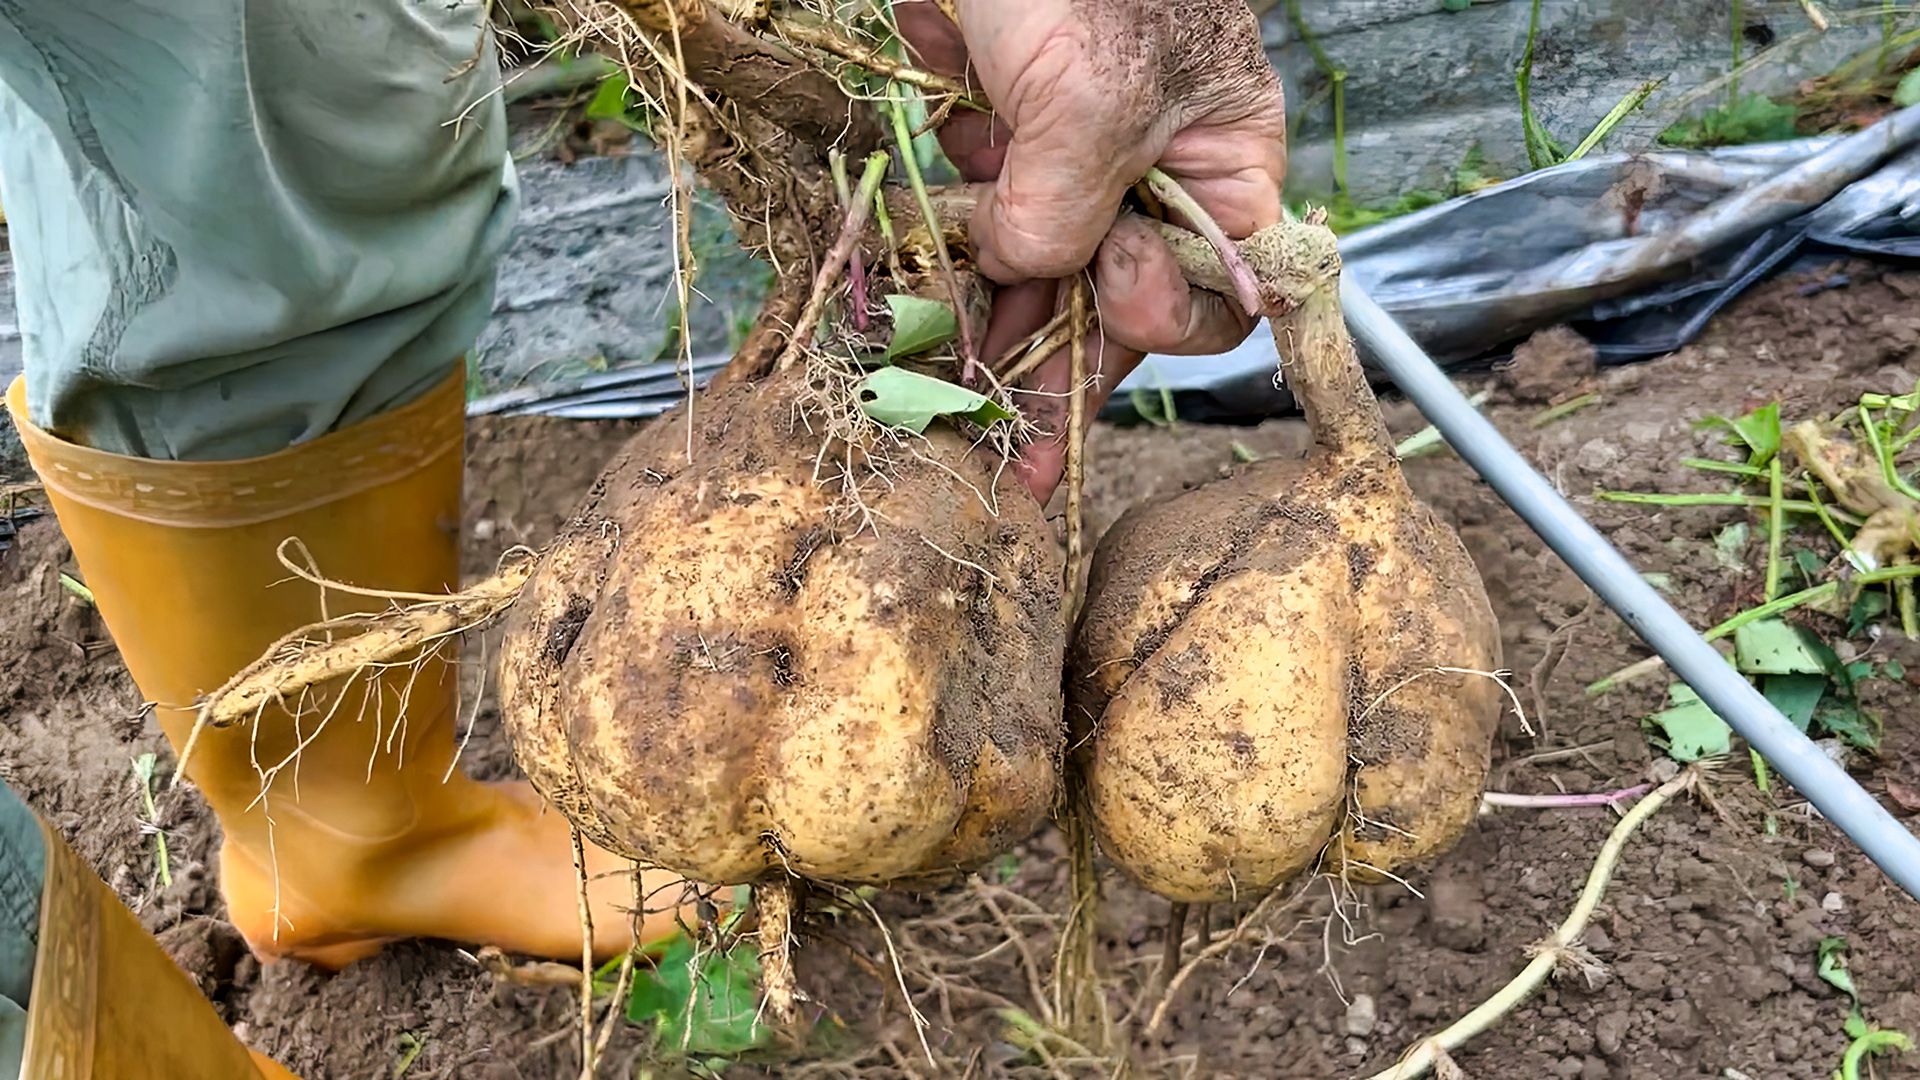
(1638, 251)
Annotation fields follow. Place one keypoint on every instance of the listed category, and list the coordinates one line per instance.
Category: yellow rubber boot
(346, 821)
(107, 1002)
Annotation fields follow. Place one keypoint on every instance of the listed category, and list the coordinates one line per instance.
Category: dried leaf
(1904, 794)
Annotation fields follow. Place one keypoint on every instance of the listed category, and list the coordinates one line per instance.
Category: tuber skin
(714, 671)
(1254, 682)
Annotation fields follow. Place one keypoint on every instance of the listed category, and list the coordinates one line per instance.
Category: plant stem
(1542, 150)
(1873, 1042)
(1552, 802)
(1337, 81)
(1885, 456)
(1737, 468)
(1245, 285)
(859, 212)
(1776, 526)
(1772, 607)
(1903, 600)
(1564, 409)
(903, 135)
(1420, 1058)
(1655, 498)
(1826, 519)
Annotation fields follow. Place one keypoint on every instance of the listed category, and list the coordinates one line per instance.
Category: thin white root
(1499, 677)
(587, 1046)
(1559, 949)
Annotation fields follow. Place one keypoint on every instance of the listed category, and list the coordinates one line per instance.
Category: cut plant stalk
(1558, 948)
(1776, 526)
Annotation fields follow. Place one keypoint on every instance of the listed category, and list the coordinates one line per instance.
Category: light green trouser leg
(240, 224)
(23, 863)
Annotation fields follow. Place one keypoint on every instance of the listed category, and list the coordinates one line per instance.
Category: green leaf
(919, 325)
(1908, 92)
(1758, 431)
(1776, 647)
(709, 1005)
(1661, 581)
(1730, 545)
(1810, 566)
(1855, 1025)
(1452, 6)
(900, 398)
(1753, 118)
(1689, 729)
(1894, 669)
(1833, 966)
(1867, 609)
(1849, 723)
(1006, 867)
(1796, 696)
(609, 102)
(143, 767)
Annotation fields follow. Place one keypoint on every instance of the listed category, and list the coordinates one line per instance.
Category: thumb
(1067, 166)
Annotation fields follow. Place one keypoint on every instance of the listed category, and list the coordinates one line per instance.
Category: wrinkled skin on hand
(1088, 95)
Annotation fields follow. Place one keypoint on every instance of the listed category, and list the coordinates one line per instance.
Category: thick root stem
(777, 901)
(322, 651)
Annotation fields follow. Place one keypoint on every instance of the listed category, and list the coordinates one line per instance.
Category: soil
(1707, 938)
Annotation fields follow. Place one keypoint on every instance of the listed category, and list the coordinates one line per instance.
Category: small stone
(1356, 1047)
(1681, 1030)
(1362, 1015)
(1610, 1031)
(1568, 1067)
(1786, 1047)
(1833, 903)
(1595, 1069)
(1818, 858)
(1536, 882)
(483, 529)
(1597, 940)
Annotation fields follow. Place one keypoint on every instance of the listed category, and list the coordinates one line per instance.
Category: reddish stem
(1245, 285)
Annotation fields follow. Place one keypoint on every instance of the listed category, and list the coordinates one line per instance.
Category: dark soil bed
(1708, 936)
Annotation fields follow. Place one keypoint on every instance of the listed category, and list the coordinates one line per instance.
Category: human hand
(1088, 95)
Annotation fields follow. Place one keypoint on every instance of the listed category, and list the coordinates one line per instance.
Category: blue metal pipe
(1786, 748)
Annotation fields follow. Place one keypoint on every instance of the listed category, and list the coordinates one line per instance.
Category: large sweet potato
(716, 670)
(1270, 671)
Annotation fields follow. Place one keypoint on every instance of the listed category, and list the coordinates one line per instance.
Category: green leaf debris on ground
(1687, 729)
(701, 1005)
(1865, 1040)
(1758, 431)
(1776, 647)
(900, 398)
